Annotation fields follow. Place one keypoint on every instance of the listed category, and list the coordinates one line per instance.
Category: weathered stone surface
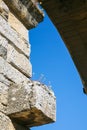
(4, 80)
(19, 61)
(11, 73)
(3, 41)
(3, 52)
(3, 97)
(3, 6)
(4, 9)
(32, 104)
(5, 123)
(3, 47)
(3, 94)
(18, 26)
(28, 14)
(14, 38)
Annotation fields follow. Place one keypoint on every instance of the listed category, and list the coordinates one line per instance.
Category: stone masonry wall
(23, 103)
(13, 47)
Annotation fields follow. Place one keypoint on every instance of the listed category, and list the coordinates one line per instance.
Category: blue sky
(50, 57)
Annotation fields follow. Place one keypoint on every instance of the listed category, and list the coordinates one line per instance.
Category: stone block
(32, 104)
(14, 38)
(19, 61)
(10, 73)
(13, 56)
(18, 26)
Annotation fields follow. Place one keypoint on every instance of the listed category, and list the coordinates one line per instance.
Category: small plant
(43, 80)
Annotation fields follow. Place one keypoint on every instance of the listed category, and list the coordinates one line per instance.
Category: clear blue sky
(50, 57)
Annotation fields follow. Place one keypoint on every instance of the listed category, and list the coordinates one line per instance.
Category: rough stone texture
(18, 26)
(3, 94)
(19, 61)
(32, 104)
(4, 10)
(14, 38)
(27, 103)
(70, 18)
(14, 57)
(3, 42)
(3, 97)
(3, 52)
(4, 80)
(11, 73)
(7, 124)
(28, 13)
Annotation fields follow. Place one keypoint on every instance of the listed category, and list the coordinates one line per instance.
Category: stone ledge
(32, 104)
(28, 13)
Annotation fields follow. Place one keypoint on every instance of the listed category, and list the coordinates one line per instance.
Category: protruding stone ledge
(26, 11)
(32, 104)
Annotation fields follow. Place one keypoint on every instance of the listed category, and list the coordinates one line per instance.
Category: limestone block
(14, 38)
(11, 73)
(18, 26)
(32, 104)
(19, 61)
(5, 123)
